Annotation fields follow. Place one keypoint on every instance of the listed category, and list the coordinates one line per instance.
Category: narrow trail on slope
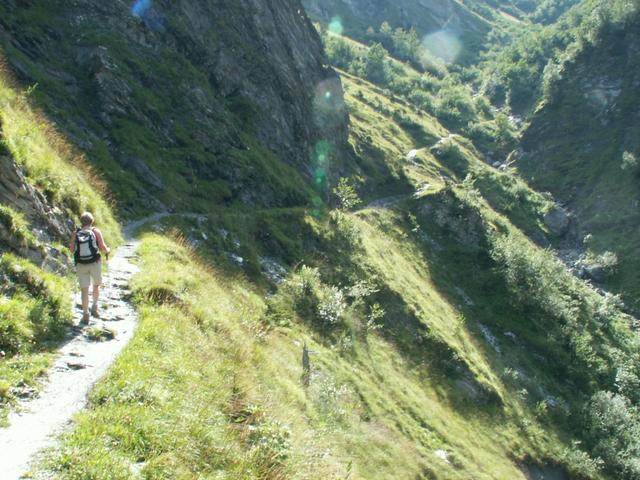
(82, 361)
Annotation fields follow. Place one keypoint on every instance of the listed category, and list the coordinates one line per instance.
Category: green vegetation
(602, 178)
(434, 91)
(414, 331)
(17, 226)
(522, 62)
(222, 375)
(35, 305)
(35, 313)
(402, 312)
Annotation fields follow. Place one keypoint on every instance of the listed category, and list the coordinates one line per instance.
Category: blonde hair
(86, 219)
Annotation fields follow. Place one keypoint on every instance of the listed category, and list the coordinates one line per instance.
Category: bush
(613, 429)
(455, 106)
(629, 162)
(340, 52)
(306, 295)
(346, 194)
(580, 463)
(374, 67)
(331, 304)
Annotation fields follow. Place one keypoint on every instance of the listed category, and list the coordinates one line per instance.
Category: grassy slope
(211, 385)
(35, 308)
(206, 389)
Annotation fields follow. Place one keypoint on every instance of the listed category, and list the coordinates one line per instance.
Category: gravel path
(81, 362)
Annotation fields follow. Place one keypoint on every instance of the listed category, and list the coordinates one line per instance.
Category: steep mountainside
(333, 297)
(172, 97)
(582, 145)
(456, 22)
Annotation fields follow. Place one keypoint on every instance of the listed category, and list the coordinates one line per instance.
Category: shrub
(580, 463)
(346, 194)
(306, 295)
(271, 441)
(613, 429)
(629, 162)
(340, 53)
(374, 316)
(455, 106)
(331, 304)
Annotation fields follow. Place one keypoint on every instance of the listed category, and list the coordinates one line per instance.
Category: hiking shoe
(85, 319)
(94, 311)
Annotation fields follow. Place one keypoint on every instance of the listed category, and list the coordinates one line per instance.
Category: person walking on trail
(86, 245)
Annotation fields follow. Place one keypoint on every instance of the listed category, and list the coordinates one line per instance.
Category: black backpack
(86, 247)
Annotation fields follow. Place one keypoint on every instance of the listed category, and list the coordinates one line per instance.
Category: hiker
(86, 245)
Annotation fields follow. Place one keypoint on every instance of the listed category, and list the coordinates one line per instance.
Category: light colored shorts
(89, 273)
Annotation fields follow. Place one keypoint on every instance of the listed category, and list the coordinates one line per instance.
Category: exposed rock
(557, 220)
(195, 80)
(442, 455)
(76, 366)
(100, 334)
(273, 270)
(465, 298)
(595, 272)
(512, 336)
(450, 213)
(489, 337)
(237, 259)
(46, 221)
(544, 472)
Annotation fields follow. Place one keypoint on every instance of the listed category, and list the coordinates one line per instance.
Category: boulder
(595, 272)
(557, 220)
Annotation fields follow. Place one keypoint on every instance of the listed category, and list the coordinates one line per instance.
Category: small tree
(347, 195)
(375, 64)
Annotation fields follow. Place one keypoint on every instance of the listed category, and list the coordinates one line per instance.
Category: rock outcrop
(47, 222)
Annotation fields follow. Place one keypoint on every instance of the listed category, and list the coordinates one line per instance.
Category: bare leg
(85, 301)
(96, 296)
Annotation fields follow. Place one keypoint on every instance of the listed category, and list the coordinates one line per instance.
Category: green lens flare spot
(335, 26)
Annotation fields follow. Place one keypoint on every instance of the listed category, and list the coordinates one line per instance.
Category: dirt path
(384, 202)
(82, 361)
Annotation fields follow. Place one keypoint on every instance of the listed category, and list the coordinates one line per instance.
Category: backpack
(86, 247)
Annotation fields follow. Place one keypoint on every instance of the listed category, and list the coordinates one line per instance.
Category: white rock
(442, 455)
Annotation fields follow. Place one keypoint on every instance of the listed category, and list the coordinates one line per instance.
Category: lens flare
(329, 115)
(152, 18)
(328, 104)
(140, 8)
(444, 45)
(335, 26)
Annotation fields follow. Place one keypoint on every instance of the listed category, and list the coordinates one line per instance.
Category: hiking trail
(85, 356)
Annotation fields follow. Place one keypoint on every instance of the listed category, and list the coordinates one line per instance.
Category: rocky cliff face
(222, 100)
(47, 221)
(577, 144)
